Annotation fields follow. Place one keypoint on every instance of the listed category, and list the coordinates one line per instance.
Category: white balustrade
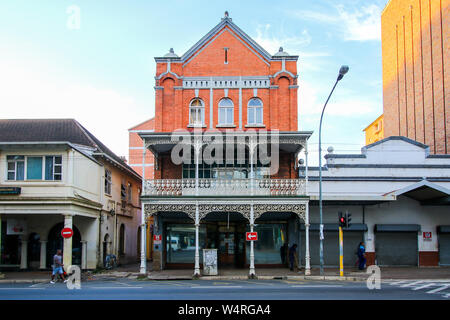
(224, 187)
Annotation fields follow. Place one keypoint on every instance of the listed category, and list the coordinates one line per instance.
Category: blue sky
(102, 74)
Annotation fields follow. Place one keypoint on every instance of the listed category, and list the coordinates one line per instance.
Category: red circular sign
(66, 233)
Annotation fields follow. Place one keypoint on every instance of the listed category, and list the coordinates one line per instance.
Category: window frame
(108, 181)
(43, 167)
(253, 110)
(14, 171)
(198, 109)
(129, 192)
(225, 108)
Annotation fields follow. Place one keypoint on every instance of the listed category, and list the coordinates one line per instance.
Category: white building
(55, 174)
(398, 196)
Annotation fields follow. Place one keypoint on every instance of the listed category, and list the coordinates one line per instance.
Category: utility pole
(342, 223)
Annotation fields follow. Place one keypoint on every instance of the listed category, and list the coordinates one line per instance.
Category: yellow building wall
(375, 131)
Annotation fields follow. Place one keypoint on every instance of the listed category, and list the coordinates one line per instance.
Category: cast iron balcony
(224, 187)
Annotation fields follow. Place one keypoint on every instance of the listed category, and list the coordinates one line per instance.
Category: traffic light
(348, 219)
(341, 220)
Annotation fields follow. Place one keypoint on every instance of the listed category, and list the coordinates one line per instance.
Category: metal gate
(444, 249)
(396, 248)
(331, 248)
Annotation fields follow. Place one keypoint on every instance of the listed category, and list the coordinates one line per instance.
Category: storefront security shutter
(331, 248)
(396, 248)
(444, 249)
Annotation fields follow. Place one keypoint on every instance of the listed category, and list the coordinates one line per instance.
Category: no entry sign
(252, 236)
(66, 233)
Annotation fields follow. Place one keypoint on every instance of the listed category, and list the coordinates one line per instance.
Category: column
(307, 256)
(67, 249)
(197, 255)
(143, 266)
(83, 254)
(0, 240)
(252, 252)
(43, 259)
(24, 255)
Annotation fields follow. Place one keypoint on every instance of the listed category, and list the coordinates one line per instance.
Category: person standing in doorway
(283, 253)
(58, 266)
(361, 256)
(292, 256)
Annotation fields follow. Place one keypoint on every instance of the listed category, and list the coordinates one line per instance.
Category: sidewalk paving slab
(436, 274)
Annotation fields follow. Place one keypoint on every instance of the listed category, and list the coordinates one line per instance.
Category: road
(126, 289)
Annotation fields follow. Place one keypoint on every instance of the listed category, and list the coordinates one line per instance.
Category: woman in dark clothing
(283, 253)
(292, 254)
(361, 256)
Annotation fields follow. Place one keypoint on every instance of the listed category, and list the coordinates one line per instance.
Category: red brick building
(226, 82)
(416, 71)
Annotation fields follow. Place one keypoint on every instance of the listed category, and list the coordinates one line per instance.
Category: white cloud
(31, 93)
(359, 24)
(363, 24)
(271, 43)
(310, 99)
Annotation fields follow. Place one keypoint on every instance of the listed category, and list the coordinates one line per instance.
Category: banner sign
(10, 190)
(15, 226)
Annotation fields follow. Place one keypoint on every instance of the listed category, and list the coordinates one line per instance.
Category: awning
(335, 227)
(397, 228)
(426, 193)
(443, 229)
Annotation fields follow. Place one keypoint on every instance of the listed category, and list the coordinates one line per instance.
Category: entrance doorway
(229, 240)
(34, 251)
(56, 241)
(10, 248)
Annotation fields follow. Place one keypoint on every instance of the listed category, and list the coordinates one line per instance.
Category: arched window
(255, 111)
(226, 109)
(197, 112)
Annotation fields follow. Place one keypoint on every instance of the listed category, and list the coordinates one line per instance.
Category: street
(125, 289)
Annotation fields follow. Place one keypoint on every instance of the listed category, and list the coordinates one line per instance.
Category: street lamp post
(342, 72)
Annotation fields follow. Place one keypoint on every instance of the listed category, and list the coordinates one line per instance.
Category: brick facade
(244, 72)
(135, 151)
(416, 71)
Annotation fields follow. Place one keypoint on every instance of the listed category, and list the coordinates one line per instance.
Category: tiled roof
(54, 130)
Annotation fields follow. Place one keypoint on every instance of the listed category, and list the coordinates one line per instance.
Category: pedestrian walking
(361, 256)
(292, 257)
(283, 253)
(58, 266)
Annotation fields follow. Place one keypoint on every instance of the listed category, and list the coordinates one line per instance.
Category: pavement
(330, 274)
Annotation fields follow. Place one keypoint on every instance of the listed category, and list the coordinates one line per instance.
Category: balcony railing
(224, 187)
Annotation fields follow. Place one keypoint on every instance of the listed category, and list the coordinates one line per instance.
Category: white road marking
(410, 284)
(445, 286)
(317, 286)
(22, 288)
(214, 287)
(432, 284)
(115, 287)
(398, 282)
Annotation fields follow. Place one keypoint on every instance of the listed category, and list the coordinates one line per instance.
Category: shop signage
(157, 238)
(252, 236)
(427, 235)
(15, 226)
(66, 233)
(10, 190)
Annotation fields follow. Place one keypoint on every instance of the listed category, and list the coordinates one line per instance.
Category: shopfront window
(270, 239)
(180, 243)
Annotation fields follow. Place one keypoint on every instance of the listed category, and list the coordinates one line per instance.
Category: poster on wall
(15, 226)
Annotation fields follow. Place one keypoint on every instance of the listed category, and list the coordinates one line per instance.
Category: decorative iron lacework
(298, 209)
(244, 209)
